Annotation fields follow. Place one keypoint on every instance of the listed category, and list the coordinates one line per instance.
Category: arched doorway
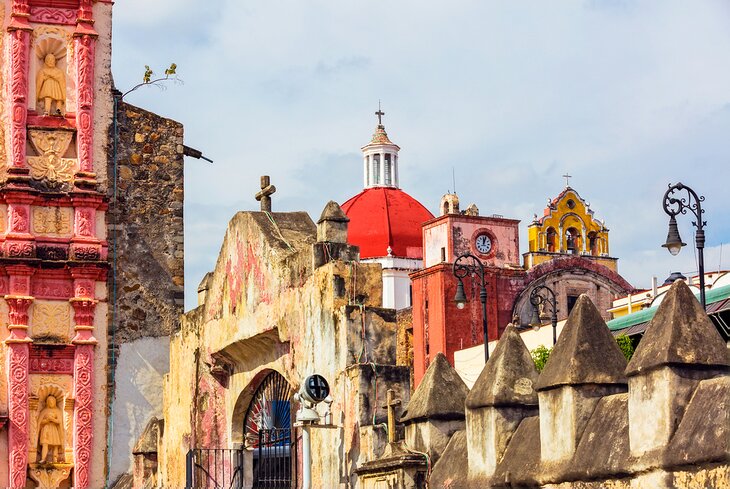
(267, 433)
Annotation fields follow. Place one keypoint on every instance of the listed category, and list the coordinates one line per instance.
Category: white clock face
(483, 244)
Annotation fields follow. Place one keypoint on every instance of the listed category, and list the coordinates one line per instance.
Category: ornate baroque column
(18, 387)
(84, 305)
(19, 30)
(85, 45)
(85, 245)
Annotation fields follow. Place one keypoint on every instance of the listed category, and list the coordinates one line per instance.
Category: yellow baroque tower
(568, 227)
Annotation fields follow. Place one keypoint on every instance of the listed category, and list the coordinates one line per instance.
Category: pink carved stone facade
(53, 247)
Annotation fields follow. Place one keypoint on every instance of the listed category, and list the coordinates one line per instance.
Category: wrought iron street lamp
(469, 265)
(540, 295)
(680, 205)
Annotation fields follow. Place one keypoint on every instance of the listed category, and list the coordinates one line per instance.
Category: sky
(625, 96)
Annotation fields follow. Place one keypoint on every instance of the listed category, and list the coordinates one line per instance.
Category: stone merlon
(679, 334)
(586, 352)
(440, 395)
(508, 378)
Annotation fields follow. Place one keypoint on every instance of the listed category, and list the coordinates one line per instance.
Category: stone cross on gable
(264, 195)
(390, 403)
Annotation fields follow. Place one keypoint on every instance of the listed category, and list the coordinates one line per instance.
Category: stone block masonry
(145, 226)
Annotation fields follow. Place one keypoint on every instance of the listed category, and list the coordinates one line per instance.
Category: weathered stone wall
(404, 352)
(146, 220)
(268, 308)
(145, 223)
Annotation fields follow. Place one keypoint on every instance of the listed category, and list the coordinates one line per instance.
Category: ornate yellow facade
(568, 227)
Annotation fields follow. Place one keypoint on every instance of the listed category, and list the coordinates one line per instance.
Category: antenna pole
(453, 178)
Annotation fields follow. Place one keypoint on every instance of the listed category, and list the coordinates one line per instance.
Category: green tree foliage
(626, 345)
(159, 82)
(540, 356)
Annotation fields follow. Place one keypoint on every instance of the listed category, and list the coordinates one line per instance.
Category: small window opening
(572, 299)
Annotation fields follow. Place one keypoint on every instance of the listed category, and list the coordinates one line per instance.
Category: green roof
(645, 315)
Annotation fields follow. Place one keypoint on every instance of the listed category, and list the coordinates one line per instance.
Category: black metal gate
(272, 464)
(214, 468)
(267, 434)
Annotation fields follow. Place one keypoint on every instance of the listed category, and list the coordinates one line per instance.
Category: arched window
(367, 171)
(388, 177)
(572, 240)
(551, 240)
(593, 243)
(376, 169)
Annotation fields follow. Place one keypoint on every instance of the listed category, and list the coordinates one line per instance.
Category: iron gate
(272, 464)
(214, 468)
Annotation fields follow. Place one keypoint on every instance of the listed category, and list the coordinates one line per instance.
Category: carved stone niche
(50, 73)
(51, 423)
(51, 432)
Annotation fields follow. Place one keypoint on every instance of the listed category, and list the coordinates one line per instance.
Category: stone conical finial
(332, 224)
(436, 409)
(680, 333)
(508, 378)
(503, 395)
(440, 395)
(586, 352)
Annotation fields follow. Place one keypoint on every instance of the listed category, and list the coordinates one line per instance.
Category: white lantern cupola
(380, 159)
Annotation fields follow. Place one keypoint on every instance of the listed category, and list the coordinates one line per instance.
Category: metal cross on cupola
(264, 195)
(380, 115)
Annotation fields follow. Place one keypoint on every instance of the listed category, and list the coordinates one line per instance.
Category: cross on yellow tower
(567, 179)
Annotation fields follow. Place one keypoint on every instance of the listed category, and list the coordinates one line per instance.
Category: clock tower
(438, 325)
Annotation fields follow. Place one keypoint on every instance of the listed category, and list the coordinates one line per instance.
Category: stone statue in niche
(50, 80)
(50, 432)
(51, 86)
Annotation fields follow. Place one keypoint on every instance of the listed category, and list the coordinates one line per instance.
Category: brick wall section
(147, 221)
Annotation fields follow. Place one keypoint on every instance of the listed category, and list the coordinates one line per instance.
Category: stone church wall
(145, 223)
(270, 306)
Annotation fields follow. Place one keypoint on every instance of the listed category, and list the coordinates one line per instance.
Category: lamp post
(537, 299)
(469, 265)
(680, 205)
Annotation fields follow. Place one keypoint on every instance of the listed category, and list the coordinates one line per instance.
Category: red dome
(382, 217)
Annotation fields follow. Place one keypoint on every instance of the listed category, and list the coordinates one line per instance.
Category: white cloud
(626, 96)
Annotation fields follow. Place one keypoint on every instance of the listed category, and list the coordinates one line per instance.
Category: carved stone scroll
(19, 53)
(50, 165)
(51, 220)
(53, 15)
(51, 320)
(85, 47)
(18, 412)
(83, 413)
